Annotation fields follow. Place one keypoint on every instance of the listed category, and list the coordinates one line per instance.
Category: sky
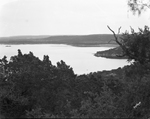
(67, 17)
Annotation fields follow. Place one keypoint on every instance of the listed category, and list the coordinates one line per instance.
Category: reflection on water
(81, 59)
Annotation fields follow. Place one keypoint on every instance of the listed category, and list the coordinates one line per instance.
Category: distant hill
(25, 37)
(76, 40)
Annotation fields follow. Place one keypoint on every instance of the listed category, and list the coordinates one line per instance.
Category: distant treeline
(76, 40)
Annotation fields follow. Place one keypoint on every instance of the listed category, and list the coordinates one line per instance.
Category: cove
(81, 59)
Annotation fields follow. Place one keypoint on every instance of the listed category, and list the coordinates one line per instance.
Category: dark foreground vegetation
(34, 88)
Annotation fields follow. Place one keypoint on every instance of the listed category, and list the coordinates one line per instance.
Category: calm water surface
(81, 59)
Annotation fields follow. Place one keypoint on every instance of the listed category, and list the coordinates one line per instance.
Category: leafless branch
(119, 30)
(117, 41)
(116, 37)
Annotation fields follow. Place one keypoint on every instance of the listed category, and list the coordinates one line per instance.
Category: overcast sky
(66, 17)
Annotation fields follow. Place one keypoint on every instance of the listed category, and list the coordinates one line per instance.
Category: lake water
(81, 59)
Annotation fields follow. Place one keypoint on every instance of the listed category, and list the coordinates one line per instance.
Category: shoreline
(75, 45)
(113, 53)
(110, 54)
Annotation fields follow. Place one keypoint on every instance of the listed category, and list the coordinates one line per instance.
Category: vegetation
(138, 6)
(134, 46)
(75, 40)
(34, 88)
(114, 53)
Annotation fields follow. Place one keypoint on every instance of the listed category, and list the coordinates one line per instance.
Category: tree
(29, 85)
(138, 6)
(135, 45)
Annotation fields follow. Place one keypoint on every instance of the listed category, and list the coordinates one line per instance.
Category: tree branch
(119, 30)
(118, 42)
(116, 38)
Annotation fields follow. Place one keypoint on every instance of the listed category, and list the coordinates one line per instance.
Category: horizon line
(55, 35)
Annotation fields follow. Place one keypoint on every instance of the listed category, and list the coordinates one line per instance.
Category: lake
(81, 59)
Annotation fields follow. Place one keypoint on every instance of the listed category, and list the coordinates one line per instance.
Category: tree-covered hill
(76, 40)
(34, 88)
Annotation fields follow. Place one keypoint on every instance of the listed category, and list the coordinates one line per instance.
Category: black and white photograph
(75, 59)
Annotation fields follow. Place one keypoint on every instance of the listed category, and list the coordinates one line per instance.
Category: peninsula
(114, 53)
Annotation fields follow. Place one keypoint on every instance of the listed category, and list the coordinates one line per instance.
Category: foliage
(136, 45)
(28, 83)
(138, 5)
(34, 88)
